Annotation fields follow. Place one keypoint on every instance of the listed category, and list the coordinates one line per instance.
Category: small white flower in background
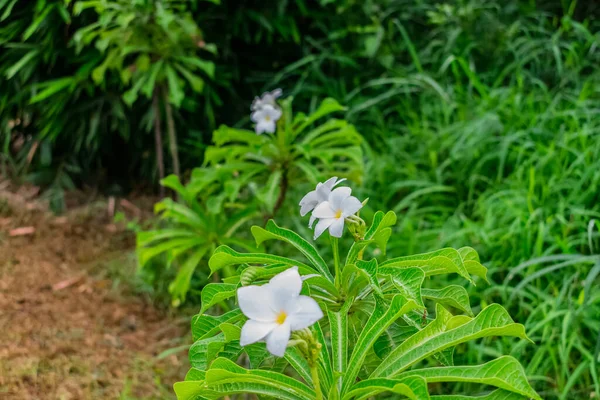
(275, 310)
(333, 212)
(267, 98)
(265, 118)
(317, 196)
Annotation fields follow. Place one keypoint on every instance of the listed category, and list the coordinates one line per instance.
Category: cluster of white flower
(266, 112)
(330, 206)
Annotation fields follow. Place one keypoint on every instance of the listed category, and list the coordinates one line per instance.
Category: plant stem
(314, 373)
(158, 140)
(172, 136)
(336, 260)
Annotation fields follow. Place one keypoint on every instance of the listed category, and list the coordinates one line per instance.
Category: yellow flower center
(281, 318)
(338, 214)
(267, 117)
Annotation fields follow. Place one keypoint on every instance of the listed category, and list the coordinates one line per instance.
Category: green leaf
(272, 231)
(442, 261)
(370, 267)
(189, 390)
(472, 263)
(413, 387)
(452, 295)
(52, 87)
(495, 395)
(176, 94)
(179, 287)
(504, 372)
(226, 377)
(16, 67)
(195, 81)
(447, 331)
(327, 106)
(194, 374)
(408, 282)
(338, 324)
(204, 326)
(214, 293)
(381, 318)
(378, 233)
(225, 256)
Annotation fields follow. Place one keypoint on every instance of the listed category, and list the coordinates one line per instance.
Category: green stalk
(336, 260)
(314, 373)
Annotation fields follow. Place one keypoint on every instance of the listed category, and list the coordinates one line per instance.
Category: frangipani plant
(223, 195)
(370, 335)
(286, 149)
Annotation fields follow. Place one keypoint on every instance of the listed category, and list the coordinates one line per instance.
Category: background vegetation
(479, 122)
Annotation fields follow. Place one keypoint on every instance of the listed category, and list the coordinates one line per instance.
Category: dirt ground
(68, 329)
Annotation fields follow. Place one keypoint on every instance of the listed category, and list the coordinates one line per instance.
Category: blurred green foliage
(480, 125)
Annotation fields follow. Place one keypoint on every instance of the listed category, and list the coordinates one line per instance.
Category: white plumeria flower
(335, 210)
(266, 98)
(317, 196)
(265, 118)
(275, 310)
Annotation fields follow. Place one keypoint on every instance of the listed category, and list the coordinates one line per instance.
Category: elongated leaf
(181, 284)
(442, 261)
(272, 231)
(413, 387)
(495, 395)
(225, 256)
(338, 324)
(447, 331)
(382, 316)
(392, 338)
(190, 390)
(214, 293)
(504, 373)
(452, 295)
(204, 326)
(324, 359)
(226, 377)
(327, 106)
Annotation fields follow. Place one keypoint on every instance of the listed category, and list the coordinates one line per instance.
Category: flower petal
(257, 115)
(284, 287)
(337, 196)
(324, 210)
(278, 339)
(350, 206)
(311, 221)
(323, 192)
(337, 228)
(257, 302)
(331, 182)
(274, 113)
(253, 331)
(265, 126)
(322, 225)
(308, 312)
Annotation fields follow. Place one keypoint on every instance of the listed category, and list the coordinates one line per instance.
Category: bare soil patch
(66, 331)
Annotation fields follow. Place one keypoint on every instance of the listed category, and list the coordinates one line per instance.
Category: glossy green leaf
(413, 387)
(408, 282)
(226, 377)
(447, 331)
(442, 261)
(214, 293)
(382, 316)
(504, 373)
(452, 295)
(272, 231)
(338, 325)
(370, 268)
(495, 395)
(225, 256)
